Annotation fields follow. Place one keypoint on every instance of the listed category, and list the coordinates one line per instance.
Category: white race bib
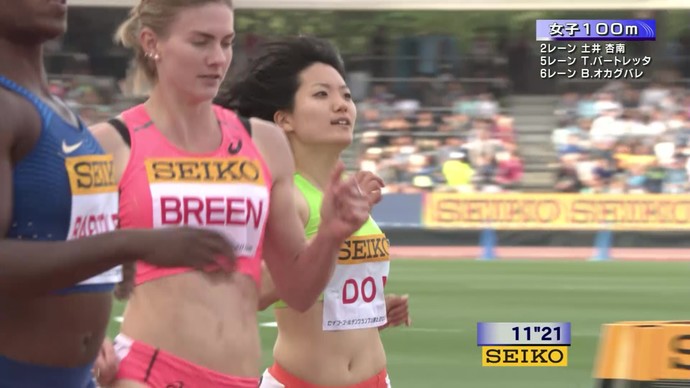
(94, 204)
(354, 297)
(227, 195)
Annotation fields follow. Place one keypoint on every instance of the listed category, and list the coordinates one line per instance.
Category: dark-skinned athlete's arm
(34, 268)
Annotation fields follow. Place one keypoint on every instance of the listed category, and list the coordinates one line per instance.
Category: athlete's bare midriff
(321, 357)
(61, 331)
(208, 319)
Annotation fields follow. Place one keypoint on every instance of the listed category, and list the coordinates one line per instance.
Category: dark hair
(271, 80)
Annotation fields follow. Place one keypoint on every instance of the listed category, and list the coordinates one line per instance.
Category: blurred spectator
(567, 108)
(573, 145)
(457, 172)
(567, 177)
(603, 170)
(654, 177)
(676, 178)
(637, 143)
(484, 173)
(484, 145)
(637, 179)
(509, 171)
(464, 145)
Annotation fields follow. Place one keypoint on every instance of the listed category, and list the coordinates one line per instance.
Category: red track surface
(540, 253)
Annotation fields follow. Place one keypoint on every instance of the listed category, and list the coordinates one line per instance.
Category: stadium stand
(457, 122)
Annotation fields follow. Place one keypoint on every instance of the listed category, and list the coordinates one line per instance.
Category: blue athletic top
(64, 188)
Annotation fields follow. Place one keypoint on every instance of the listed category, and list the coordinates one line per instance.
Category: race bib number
(354, 297)
(227, 195)
(94, 204)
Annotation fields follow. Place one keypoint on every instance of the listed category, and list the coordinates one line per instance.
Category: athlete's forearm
(312, 270)
(34, 268)
(268, 294)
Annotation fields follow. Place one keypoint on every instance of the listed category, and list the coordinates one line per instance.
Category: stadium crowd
(621, 139)
(438, 133)
(467, 144)
(624, 139)
(446, 133)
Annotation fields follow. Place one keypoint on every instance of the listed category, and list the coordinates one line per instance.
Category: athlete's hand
(397, 311)
(105, 367)
(344, 208)
(186, 247)
(371, 185)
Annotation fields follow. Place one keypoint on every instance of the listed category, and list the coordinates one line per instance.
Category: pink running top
(227, 190)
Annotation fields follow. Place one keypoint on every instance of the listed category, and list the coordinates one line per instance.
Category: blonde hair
(156, 15)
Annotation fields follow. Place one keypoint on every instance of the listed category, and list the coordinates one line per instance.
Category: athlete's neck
(23, 64)
(184, 121)
(315, 162)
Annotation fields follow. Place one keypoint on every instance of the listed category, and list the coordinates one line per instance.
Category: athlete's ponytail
(127, 34)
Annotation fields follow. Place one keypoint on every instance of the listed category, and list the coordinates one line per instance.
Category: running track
(539, 253)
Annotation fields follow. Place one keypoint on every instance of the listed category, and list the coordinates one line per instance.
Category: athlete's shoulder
(267, 130)
(104, 126)
(225, 110)
(108, 136)
(20, 120)
(273, 145)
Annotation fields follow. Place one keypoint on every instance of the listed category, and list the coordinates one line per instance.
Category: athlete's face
(324, 112)
(196, 53)
(33, 21)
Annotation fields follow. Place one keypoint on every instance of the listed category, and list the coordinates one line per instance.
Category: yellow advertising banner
(644, 351)
(557, 211)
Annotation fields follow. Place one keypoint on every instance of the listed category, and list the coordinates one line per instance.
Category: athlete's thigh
(127, 384)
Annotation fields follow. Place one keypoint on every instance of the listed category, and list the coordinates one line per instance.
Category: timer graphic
(524, 344)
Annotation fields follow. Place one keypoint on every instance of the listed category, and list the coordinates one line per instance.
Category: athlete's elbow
(265, 301)
(301, 306)
(300, 301)
(298, 293)
(263, 305)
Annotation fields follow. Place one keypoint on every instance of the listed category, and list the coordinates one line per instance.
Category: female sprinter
(299, 84)
(180, 160)
(57, 201)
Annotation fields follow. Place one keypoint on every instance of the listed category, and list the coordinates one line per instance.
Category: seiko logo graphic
(227, 170)
(68, 149)
(362, 249)
(90, 174)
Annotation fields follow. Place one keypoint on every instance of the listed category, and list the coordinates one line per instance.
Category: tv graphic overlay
(583, 49)
(603, 30)
(524, 344)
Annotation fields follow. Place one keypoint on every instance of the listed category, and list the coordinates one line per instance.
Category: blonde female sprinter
(181, 160)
